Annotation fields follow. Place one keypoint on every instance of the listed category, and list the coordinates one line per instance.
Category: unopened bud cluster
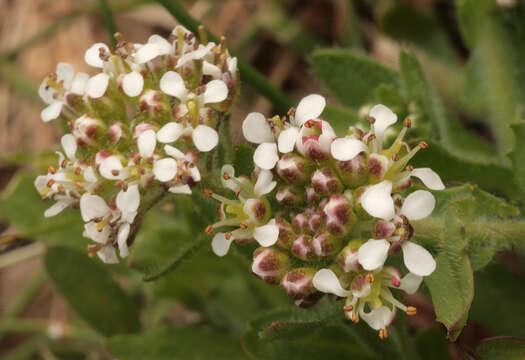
(137, 129)
(342, 210)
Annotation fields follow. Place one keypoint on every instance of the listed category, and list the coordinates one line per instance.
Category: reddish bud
(302, 248)
(325, 245)
(325, 182)
(270, 264)
(298, 283)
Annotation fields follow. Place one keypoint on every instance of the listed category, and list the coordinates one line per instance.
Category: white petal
(122, 239)
(146, 143)
(212, 70)
(378, 318)
(264, 183)
(384, 117)
(326, 281)
(256, 129)
(65, 73)
(69, 144)
(97, 85)
(429, 177)
(266, 235)
(46, 92)
(216, 91)
(128, 201)
(78, 86)
(132, 84)
(93, 206)
(373, 253)
(51, 112)
(164, 46)
(310, 107)
(172, 84)
(55, 209)
(91, 232)
(287, 139)
(174, 152)
(165, 169)
(418, 205)
(417, 259)
(345, 149)
(220, 244)
(89, 174)
(205, 138)
(170, 132)
(410, 283)
(92, 58)
(108, 255)
(265, 156)
(147, 52)
(180, 189)
(377, 201)
(108, 165)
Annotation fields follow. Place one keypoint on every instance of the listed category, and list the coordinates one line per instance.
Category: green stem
(109, 22)
(249, 74)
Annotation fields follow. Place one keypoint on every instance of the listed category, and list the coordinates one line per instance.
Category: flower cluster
(137, 129)
(344, 205)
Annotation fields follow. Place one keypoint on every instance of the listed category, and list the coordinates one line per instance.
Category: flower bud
(311, 195)
(87, 129)
(286, 234)
(300, 223)
(338, 215)
(154, 104)
(302, 247)
(354, 172)
(289, 196)
(270, 264)
(315, 222)
(294, 168)
(325, 182)
(298, 283)
(116, 131)
(377, 167)
(348, 258)
(326, 245)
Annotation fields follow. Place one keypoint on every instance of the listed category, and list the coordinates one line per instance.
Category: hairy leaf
(507, 348)
(88, 287)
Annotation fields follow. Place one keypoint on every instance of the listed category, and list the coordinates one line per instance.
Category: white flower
(257, 130)
(132, 84)
(310, 108)
(347, 148)
(92, 55)
(53, 97)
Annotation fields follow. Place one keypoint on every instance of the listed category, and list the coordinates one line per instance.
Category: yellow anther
(208, 230)
(407, 123)
(411, 311)
(423, 145)
(291, 111)
(355, 318)
(52, 170)
(79, 185)
(50, 183)
(228, 235)
(243, 225)
(370, 278)
(409, 168)
(395, 157)
(371, 119)
(207, 193)
(383, 334)
(348, 308)
(225, 176)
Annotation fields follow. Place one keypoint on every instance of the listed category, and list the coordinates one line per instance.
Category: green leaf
(319, 332)
(497, 285)
(495, 37)
(88, 287)
(352, 78)
(23, 207)
(339, 118)
(518, 159)
(172, 343)
(452, 284)
(497, 348)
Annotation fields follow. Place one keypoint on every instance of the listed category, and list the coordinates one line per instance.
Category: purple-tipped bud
(289, 196)
(325, 244)
(286, 234)
(294, 169)
(325, 182)
(311, 195)
(302, 247)
(383, 229)
(315, 222)
(377, 167)
(354, 172)
(270, 264)
(116, 132)
(300, 223)
(361, 285)
(87, 129)
(154, 103)
(348, 259)
(298, 283)
(338, 215)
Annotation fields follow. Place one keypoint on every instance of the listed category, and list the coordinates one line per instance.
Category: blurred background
(276, 37)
